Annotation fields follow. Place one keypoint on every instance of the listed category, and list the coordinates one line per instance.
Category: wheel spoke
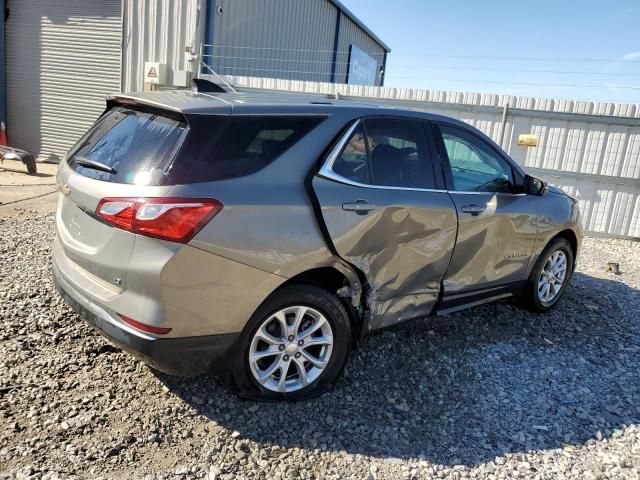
(284, 370)
(302, 372)
(300, 313)
(312, 329)
(282, 320)
(266, 374)
(543, 282)
(262, 334)
(269, 352)
(323, 340)
(314, 360)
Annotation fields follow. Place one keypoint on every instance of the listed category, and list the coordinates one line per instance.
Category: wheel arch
(341, 281)
(571, 237)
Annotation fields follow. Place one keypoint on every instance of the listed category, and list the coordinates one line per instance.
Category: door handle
(473, 209)
(359, 206)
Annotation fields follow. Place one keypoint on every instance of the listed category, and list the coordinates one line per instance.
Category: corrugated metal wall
(285, 39)
(291, 39)
(350, 33)
(590, 149)
(156, 31)
(62, 58)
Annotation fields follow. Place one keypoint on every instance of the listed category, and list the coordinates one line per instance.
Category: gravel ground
(493, 392)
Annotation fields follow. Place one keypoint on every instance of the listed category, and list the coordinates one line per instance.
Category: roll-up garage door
(62, 59)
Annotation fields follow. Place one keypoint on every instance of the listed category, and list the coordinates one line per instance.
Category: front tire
(550, 276)
(294, 346)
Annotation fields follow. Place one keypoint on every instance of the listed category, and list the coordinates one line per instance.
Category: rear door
(497, 222)
(387, 215)
(134, 147)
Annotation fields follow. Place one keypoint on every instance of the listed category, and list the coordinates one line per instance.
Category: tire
(311, 304)
(533, 298)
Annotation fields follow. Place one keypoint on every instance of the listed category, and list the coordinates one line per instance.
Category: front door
(385, 217)
(496, 223)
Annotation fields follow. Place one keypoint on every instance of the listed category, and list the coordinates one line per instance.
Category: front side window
(475, 166)
(387, 152)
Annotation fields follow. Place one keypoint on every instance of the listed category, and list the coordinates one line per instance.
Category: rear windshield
(154, 147)
(138, 145)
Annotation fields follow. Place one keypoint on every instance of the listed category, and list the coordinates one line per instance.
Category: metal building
(314, 40)
(62, 58)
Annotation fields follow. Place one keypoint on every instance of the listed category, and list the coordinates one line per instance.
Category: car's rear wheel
(550, 276)
(294, 346)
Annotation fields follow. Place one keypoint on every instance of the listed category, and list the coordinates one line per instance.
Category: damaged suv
(265, 234)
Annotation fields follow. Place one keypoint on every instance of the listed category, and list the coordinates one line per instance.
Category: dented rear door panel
(403, 246)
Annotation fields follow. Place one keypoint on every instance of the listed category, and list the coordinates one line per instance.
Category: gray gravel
(493, 392)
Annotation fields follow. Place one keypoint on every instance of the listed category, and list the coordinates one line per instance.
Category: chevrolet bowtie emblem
(65, 190)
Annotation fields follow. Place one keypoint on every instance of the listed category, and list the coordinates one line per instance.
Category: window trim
(326, 170)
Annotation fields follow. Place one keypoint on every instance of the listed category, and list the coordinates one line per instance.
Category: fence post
(503, 125)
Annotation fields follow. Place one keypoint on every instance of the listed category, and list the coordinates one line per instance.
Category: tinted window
(155, 147)
(352, 162)
(475, 165)
(220, 147)
(137, 144)
(399, 156)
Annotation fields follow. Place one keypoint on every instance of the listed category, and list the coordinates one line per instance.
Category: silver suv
(265, 234)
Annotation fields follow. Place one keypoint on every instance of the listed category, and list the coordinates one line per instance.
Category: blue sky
(447, 44)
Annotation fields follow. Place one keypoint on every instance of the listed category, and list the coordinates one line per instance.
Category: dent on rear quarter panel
(206, 294)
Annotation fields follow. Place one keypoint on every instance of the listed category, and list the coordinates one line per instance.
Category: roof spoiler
(206, 86)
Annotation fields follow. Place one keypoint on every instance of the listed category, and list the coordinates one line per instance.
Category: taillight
(174, 219)
(144, 327)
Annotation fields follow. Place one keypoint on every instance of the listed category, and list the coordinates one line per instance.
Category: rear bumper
(176, 356)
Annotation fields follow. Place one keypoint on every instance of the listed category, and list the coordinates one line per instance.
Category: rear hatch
(125, 154)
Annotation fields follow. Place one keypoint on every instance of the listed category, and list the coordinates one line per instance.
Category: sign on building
(362, 68)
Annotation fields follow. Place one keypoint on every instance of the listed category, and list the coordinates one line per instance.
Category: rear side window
(353, 162)
(387, 152)
(221, 147)
(136, 145)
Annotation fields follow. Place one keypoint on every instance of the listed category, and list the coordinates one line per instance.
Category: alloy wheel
(290, 349)
(552, 277)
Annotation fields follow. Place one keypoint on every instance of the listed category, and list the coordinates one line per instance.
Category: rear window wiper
(85, 162)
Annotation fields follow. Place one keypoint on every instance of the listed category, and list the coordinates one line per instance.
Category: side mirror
(535, 186)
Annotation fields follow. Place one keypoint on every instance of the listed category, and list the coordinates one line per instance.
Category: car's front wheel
(294, 346)
(550, 276)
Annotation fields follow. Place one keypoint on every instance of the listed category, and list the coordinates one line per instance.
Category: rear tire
(302, 332)
(549, 277)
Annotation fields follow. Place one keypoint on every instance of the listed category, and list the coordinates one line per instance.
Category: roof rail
(219, 77)
(206, 86)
